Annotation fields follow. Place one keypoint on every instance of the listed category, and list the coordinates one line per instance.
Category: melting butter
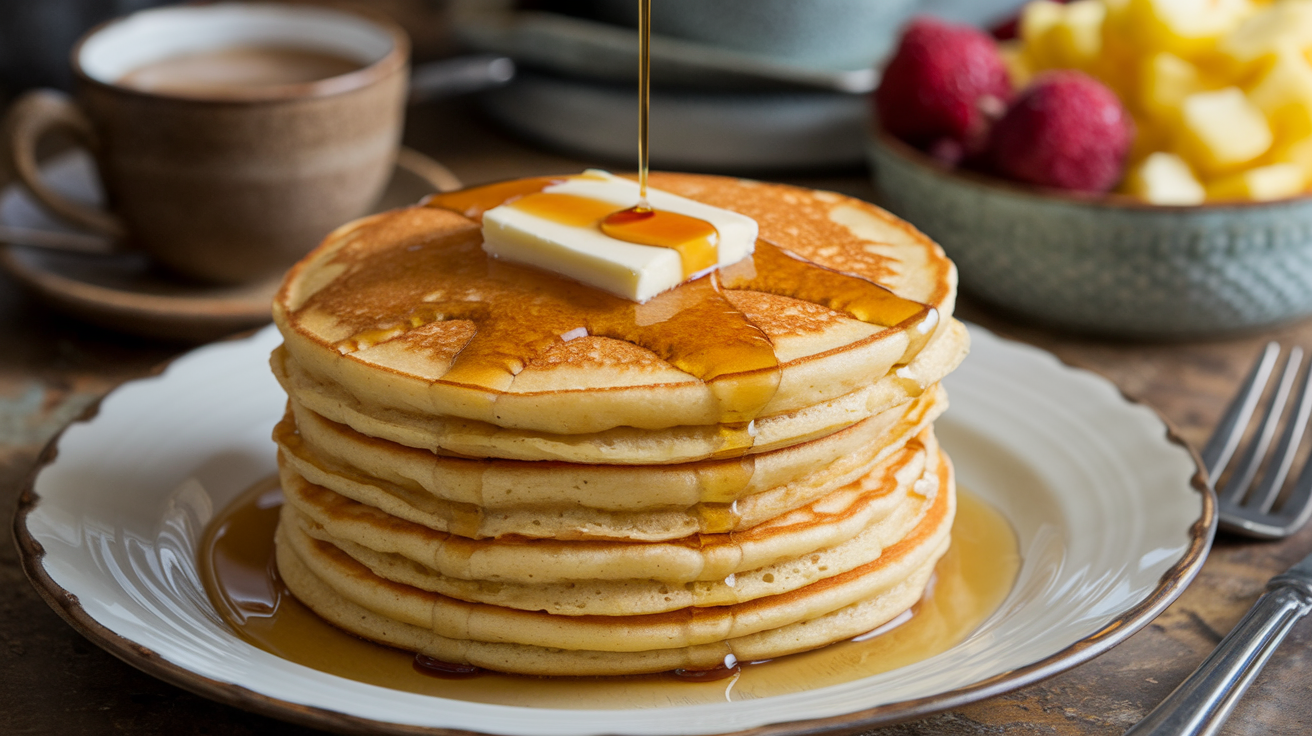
(564, 228)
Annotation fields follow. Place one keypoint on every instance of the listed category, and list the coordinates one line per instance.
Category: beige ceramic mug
(220, 180)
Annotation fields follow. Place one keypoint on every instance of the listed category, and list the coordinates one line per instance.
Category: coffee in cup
(230, 72)
(230, 138)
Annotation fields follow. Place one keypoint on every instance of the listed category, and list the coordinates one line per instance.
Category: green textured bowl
(1110, 265)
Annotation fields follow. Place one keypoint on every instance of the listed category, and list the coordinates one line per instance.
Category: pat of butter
(584, 253)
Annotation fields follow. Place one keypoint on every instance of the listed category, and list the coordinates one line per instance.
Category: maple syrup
(694, 240)
(236, 564)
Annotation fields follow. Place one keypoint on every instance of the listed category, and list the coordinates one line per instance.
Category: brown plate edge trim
(1170, 586)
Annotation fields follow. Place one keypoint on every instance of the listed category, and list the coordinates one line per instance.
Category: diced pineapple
(1186, 28)
(1164, 178)
(1077, 37)
(1222, 131)
(1164, 81)
(1281, 26)
(1260, 183)
(1149, 136)
(1283, 92)
(1116, 10)
(1038, 20)
(1298, 153)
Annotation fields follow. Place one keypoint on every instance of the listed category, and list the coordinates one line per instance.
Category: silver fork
(1202, 702)
(1244, 505)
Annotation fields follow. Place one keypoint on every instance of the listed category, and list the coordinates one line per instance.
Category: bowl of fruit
(1128, 167)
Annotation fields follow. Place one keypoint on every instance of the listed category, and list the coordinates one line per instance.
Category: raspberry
(940, 84)
(1066, 130)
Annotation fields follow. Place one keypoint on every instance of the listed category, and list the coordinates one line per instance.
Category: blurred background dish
(823, 33)
(738, 85)
(699, 130)
(1106, 264)
(125, 292)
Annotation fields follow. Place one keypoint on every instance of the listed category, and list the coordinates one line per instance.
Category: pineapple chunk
(1281, 26)
(1077, 37)
(1298, 153)
(1259, 184)
(1187, 28)
(1062, 36)
(1222, 131)
(1038, 20)
(1284, 93)
(1116, 9)
(1149, 136)
(1164, 178)
(1118, 62)
(1165, 80)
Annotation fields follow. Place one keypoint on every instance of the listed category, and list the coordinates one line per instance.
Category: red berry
(1066, 130)
(940, 83)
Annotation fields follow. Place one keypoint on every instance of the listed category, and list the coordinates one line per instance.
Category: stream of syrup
(236, 565)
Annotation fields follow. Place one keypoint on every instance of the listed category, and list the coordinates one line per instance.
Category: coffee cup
(229, 138)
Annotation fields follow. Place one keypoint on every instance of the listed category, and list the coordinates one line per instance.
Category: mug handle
(32, 116)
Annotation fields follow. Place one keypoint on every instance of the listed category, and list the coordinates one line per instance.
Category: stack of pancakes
(490, 465)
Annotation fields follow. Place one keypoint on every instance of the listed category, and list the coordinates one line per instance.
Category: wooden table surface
(52, 681)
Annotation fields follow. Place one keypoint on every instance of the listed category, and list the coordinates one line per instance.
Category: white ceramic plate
(1111, 512)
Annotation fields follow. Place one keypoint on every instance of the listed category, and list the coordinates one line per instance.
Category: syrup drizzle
(696, 241)
(694, 327)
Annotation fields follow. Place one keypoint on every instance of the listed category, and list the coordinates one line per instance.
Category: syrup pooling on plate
(235, 561)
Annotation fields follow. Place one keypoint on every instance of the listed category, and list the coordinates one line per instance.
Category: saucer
(125, 292)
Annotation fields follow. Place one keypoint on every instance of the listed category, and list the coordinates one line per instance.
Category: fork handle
(1202, 702)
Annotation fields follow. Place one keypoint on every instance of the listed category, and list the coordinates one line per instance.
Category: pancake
(847, 529)
(565, 498)
(391, 306)
(493, 465)
(825, 522)
(308, 439)
(348, 594)
(626, 445)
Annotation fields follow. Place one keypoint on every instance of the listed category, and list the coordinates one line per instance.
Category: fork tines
(1249, 504)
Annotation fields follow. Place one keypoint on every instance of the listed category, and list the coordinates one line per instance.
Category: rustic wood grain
(52, 681)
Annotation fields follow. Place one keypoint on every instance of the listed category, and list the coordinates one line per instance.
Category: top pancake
(405, 312)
